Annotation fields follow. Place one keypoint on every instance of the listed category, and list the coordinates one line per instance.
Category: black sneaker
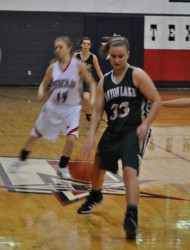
(91, 201)
(88, 117)
(130, 226)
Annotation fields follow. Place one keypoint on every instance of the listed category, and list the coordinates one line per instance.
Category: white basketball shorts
(57, 120)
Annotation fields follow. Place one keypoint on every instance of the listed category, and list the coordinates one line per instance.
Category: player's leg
(70, 128)
(63, 170)
(131, 155)
(132, 197)
(41, 125)
(106, 159)
(95, 196)
(132, 185)
(86, 105)
(24, 153)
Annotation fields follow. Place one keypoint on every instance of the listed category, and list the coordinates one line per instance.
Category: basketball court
(39, 210)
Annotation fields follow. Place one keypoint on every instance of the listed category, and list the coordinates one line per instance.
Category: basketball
(81, 170)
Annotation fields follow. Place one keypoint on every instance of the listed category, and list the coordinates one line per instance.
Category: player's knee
(129, 172)
(71, 138)
(35, 134)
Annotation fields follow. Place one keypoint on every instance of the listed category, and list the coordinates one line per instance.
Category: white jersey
(66, 86)
(61, 113)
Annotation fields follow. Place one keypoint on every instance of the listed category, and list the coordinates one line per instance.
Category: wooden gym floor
(38, 210)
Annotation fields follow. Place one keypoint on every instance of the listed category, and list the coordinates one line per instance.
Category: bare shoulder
(140, 77)
(138, 71)
(50, 68)
(95, 58)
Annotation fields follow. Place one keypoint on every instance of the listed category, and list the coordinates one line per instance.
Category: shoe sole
(131, 233)
(88, 212)
(14, 169)
(63, 177)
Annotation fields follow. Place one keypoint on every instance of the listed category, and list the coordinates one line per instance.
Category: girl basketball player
(60, 114)
(123, 94)
(91, 61)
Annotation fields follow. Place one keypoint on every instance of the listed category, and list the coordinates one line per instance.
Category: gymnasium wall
(26, 41)
(159, 36)
(164, 7)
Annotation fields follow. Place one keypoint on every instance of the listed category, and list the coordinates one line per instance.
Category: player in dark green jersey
(125, 94)
(91, 61)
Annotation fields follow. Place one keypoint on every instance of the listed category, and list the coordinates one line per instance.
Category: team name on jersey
(64, 83)
(119, 91)
(88, 66)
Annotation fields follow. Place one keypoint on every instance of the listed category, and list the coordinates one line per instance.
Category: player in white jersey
(61, 113)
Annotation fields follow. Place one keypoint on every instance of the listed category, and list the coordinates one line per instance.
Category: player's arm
(84, 72)
(177, 103)
(95, 120)
(97, 66)
(46, 80)
(146, 86)
(98, 110)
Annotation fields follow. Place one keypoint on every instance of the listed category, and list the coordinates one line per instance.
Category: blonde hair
(114, 41)
(67, 41)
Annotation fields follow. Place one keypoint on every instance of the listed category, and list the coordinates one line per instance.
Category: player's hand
(142, 131)
(87, 147)
(92, 102)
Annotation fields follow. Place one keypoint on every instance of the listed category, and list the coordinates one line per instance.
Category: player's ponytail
(104, 50)
(115, 41)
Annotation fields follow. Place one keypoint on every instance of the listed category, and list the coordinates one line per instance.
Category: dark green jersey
(88, 62)
(126, 107)
(89, 65)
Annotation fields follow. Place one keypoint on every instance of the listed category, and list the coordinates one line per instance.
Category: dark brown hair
(84, 38)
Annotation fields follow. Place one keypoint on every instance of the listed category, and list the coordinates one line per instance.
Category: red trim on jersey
(67, 66)
(51, 91)
(37, 132)
(73, 130)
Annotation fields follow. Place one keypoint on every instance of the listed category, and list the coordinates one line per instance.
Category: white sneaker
(16, 165)
(64, 173)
